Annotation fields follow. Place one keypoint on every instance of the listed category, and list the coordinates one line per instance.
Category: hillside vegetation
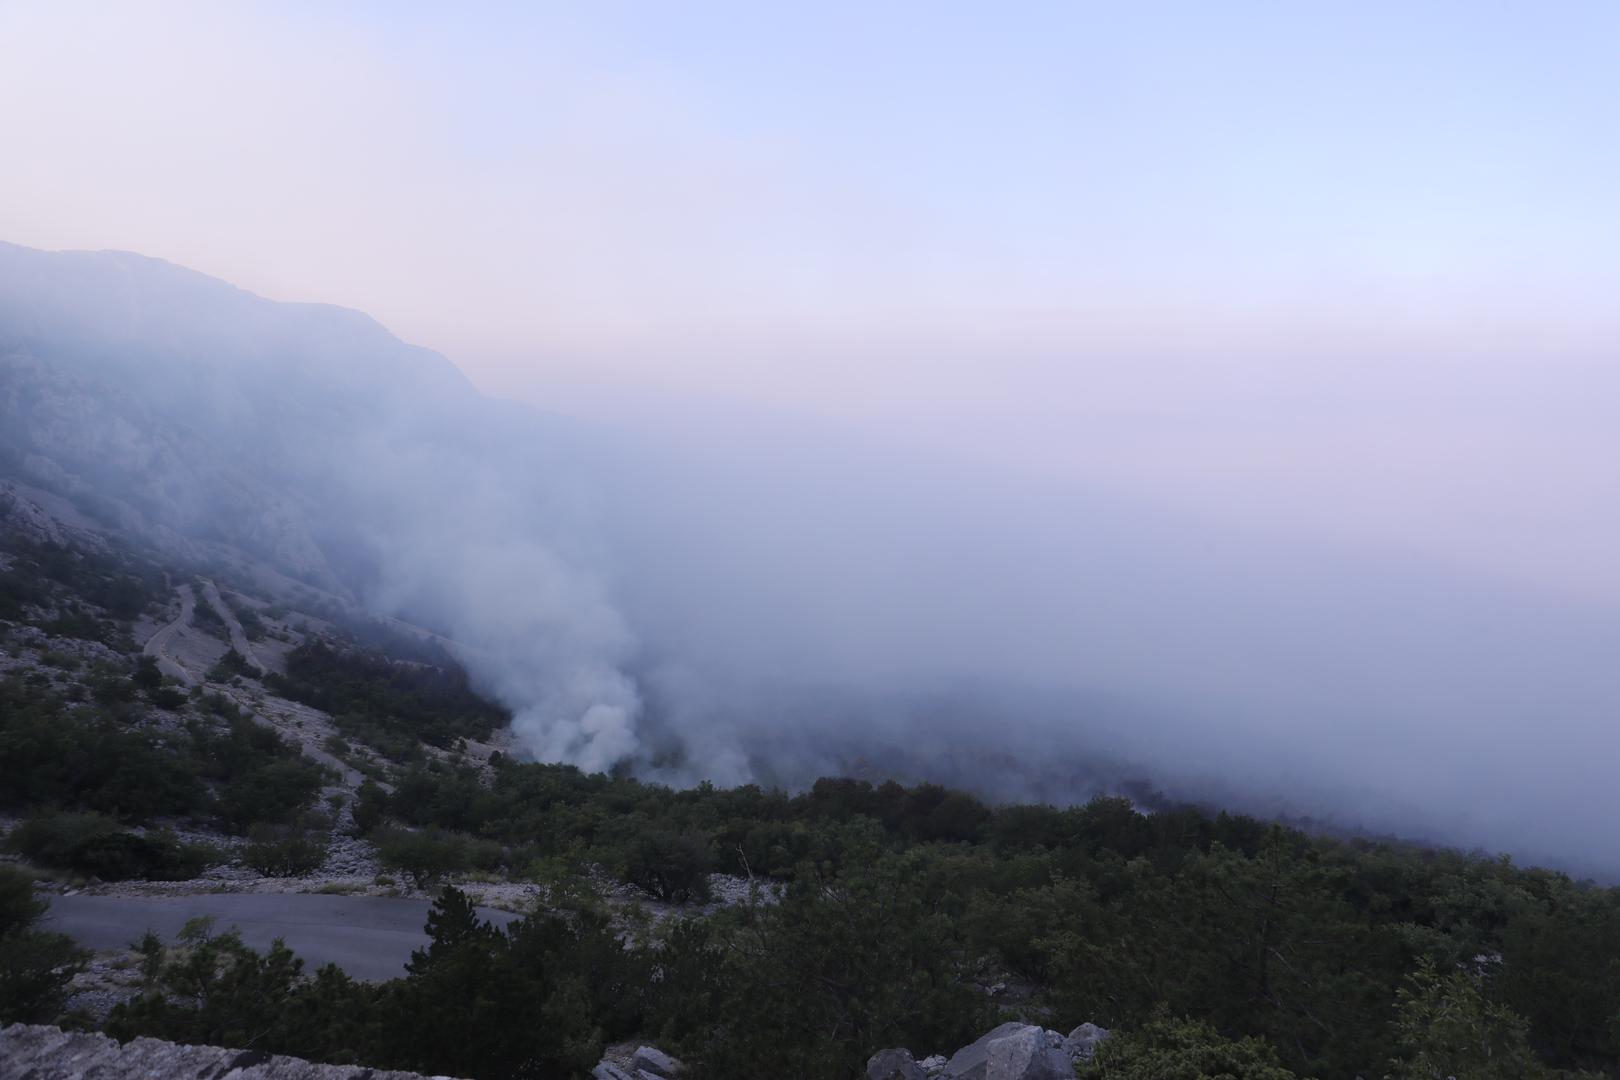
(857, 915)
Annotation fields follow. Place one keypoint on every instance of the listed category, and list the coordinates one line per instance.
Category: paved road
(370, 937)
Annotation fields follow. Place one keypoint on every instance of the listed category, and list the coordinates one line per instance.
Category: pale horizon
(1342, 274)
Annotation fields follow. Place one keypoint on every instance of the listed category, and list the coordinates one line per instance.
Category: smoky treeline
(774, 601)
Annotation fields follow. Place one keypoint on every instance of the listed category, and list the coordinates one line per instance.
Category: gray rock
(48, 1053)
(650, 1059)
(934, 1064)
(606, 1070)
(1082, 1043)
(897, 1064)
(1012, 1051)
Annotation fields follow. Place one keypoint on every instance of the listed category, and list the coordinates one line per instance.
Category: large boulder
(1082, 1043)
(650, 1059)
(894, 1065)
(1012, 1051)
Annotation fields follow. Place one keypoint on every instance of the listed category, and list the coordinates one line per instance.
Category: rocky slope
(48, 1053)
(1013, 1051)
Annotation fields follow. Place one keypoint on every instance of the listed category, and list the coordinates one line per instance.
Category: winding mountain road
(239, 638)
(158, 645)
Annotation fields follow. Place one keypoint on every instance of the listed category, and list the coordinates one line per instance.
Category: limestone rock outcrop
(1013, 1051)
(49, 1053)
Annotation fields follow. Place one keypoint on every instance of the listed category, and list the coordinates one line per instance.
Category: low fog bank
(744, 599)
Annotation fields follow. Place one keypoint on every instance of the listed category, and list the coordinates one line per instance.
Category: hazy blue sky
(1342, 268)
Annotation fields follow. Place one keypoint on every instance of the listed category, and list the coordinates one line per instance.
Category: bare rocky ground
(187, 647)
(108, 979)
(48, 1053)
(188, 652)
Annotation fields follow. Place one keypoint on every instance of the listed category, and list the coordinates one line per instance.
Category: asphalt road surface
(370, 937)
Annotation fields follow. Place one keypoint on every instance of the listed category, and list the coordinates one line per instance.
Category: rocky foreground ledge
(31, 1052)
(1012, 1051)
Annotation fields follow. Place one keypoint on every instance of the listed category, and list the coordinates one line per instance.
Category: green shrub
(1446, 1026)
(433, 703)
(370, 807)
(167, 697)
(147, 675)
(424, 856)
(283, 851)
(672, 866)
(1166, 1049)
(230, 666)
(95, 846)
(52, 755)
(35, 967)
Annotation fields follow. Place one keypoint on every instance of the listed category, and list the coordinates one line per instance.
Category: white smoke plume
(769, 601)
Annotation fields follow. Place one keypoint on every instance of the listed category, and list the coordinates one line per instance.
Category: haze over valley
(771, 603)
(714, 541)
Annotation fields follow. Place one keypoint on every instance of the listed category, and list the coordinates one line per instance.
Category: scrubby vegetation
(1215, 944)
(421, 701)
(1277, 953)
(285, 850)
(94, 846)
(1293, 958)
(1165, 1049)
(43, 575)
(59, 754)
(248, 615)
(88, 756)
(35, 967)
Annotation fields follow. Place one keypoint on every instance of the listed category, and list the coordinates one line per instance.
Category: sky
(1341, 270)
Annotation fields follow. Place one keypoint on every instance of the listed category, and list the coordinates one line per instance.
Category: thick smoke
(762, 600)
(536, 633)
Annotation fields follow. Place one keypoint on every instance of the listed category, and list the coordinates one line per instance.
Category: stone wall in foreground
(29, 1052)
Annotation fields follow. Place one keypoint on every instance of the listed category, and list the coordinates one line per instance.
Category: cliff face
(31, 1052)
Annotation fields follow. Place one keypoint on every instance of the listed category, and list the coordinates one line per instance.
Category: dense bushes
(671, 866)
(46, 575)
(842, 966)
(35, 967)
(428, 855)
(540, 998)
(211, 988)
(262, 779)
(1109, 914)
(283, 851)
(94, 846)
(1287, 954)
(53, 755)
(1165, 1049)
(430, 703)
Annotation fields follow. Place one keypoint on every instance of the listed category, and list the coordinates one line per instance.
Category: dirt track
(159, 645)
(239, 638)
